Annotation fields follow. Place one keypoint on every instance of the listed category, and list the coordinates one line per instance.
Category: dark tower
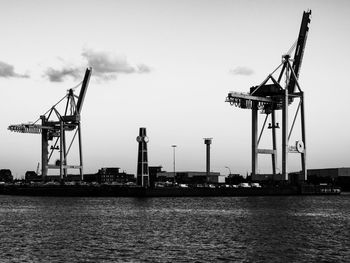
(207, 142)
(142, 160)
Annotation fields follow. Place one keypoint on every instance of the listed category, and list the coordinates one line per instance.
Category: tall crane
(53, 128)
(277, 94)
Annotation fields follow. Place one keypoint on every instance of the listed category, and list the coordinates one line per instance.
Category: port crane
(277, 93)
(53, 128)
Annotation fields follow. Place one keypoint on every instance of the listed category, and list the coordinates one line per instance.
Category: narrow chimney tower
(207, 142)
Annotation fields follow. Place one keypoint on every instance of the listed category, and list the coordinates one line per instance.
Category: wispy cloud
(242, 71)
(108, 65)
(8, 71)
(142, 68)
(105, 65)
(58, 75)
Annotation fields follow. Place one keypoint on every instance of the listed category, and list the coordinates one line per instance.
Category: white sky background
(189, 50)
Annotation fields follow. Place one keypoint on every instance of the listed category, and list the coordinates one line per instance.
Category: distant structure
(153, 171)
(207, 142)
(191, 177)
(110, 175)
(54, 125)
(339, 176)
(142, 178)
(278, 95)
(6, 175)
(32, 176)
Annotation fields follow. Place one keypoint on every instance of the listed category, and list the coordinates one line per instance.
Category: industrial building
(153, 171)
(6, 175)
(32, 176)
(329, 172)
(191, 177)
(337, 176)
(334, 176)
(110, 175)
(234, 179)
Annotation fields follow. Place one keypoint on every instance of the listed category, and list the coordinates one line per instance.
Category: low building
(234, 179)
(31, 176)
(6, 175)
(152, 172)
(337, 176)
(110, 175)
(331, 173)
(191, 177)
(267, 177)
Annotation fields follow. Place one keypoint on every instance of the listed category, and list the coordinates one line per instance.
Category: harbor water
(217, 229)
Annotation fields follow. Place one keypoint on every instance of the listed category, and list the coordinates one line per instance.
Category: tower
(207, 142)
(142, 159)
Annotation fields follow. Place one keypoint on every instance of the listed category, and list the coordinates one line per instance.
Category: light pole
(228, 169)
(174, 146)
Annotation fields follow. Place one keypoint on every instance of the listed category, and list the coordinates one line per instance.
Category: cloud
(108, 65)
(242, 71)
(105, 66)
(58, 75)
(8, 71)
(142, 68)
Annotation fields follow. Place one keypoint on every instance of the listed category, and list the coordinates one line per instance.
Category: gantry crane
(54, 126)
(277, 94)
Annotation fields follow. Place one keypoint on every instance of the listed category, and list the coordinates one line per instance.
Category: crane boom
(83, 90)
(299, 51)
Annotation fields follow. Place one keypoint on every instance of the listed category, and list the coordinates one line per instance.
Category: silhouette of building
(31, 176)
(6, 175)
(110, 175)
(153, 171)
(234, 179)
(337, 176)
(190, 177)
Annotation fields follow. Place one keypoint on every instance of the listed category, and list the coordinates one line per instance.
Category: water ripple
(232, 229)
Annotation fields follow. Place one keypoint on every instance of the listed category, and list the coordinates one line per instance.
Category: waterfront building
(191, 177)
(152, 172)
(6, 175)
(234, 179)
(337, 176)
(32, 176)
(110, 175)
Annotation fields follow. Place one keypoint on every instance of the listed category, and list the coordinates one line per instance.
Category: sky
(168, 66)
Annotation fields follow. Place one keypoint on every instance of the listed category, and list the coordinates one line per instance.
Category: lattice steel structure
(54, 126)
(273, 94)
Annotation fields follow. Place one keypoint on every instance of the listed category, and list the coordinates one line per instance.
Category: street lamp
(174, 146)
(228, 169)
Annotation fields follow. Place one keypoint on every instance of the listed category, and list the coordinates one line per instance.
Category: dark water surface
(231, 229)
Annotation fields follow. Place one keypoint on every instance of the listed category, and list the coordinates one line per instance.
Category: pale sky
(168, 66)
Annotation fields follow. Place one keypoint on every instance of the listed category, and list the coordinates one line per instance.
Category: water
(232, 229)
